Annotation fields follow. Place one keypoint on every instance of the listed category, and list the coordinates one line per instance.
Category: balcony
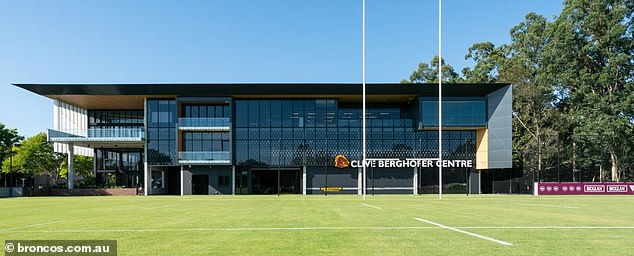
(100, 137)
(208, 157)
(218, 124)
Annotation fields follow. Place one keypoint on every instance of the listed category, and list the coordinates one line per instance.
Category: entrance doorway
(267, 181)
(173, 180)
(200, 184)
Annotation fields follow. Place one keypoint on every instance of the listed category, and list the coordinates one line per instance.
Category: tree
(488, 60)
(83, 166)
(520, 64)
(8, 138)
(589, 59)
(35, 156)
(428, 73)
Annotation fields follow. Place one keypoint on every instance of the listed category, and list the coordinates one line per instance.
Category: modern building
(302, 138)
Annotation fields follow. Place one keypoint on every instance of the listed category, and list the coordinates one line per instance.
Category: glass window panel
(226, 109)
(207, 146)
(287, 113)
(265, 113)
(194, 111)
(217, 145)
(254, 118)
(276, 113)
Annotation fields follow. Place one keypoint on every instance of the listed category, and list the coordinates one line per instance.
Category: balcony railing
(97, 134)
(204, 124)
(205, 157)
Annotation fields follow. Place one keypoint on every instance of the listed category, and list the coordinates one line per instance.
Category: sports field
(332, 225)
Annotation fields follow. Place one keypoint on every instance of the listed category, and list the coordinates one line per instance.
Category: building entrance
(272, 181)
(200, 184)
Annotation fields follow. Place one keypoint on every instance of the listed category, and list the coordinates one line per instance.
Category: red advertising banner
(585, 188)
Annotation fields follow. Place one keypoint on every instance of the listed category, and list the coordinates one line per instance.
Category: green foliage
(589, 59)
(573, 85)
(35, 156)
(428, 73)
(8, 138)
(83, 167)
(488, 58)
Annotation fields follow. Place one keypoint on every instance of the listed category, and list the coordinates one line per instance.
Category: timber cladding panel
(482, 149)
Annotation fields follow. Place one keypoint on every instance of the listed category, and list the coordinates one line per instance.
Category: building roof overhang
(131, 96)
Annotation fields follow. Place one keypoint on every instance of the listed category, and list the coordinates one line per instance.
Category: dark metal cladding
(230, 89)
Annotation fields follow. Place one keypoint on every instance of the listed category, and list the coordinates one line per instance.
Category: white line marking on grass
(465, 232)
(220, 229)
(551, 227)
(293, 229)
(375, 207)
(35, 225)
(546, 205)
(162, 206)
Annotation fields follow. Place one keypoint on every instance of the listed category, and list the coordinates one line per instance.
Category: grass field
(332, 225)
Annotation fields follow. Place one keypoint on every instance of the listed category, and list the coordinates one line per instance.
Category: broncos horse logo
(341, 161)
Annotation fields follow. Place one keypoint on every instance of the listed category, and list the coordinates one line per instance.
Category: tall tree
(35, 156)
(589, 59)
(519, 63)
(8, 138)
(428, 73)
(488, 60)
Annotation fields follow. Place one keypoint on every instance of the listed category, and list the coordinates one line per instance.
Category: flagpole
(440, 99)
(363, 107)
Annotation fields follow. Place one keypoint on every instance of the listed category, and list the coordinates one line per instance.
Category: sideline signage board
(585, 188)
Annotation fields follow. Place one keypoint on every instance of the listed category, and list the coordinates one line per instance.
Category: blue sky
(148, 41)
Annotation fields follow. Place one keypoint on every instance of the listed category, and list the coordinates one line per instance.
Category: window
(115, 118)
(206, 141)
(161, 132)
(457, 112)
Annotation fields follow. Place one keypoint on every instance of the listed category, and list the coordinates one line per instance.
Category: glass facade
(206, 141)
(204, 111)
(115, 118)
(310, 132)
(161, 132)
(457, 112)
(207, 146)
(118, 167)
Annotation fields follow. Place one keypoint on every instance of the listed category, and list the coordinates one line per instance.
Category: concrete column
(233, 179)
(94, 166)
(71, 166)
(304, 180)
(415, 180)
(182, 180)
(360, 181)
(146, 179)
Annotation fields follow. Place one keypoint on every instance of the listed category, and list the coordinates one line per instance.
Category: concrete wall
(474, 183)
(213, 173)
